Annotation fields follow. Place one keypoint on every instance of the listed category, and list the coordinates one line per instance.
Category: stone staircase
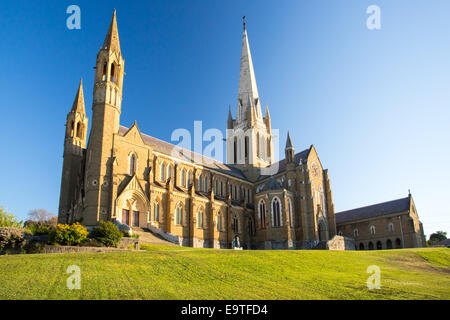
(148, 237)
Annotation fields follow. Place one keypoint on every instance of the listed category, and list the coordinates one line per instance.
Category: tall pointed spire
(248, 89)
(78, 103)
(112, 37)
(288, 141)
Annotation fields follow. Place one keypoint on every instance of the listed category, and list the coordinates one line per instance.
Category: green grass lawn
(162, 272)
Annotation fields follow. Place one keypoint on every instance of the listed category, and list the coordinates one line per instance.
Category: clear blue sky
(374, 103)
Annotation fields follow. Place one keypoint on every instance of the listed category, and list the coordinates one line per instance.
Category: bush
(107, 234)
(7, 219)
(69, 235)
(39, 228)
(126, 234)
(13, 238)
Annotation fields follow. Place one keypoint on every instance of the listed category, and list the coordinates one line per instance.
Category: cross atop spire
(112, 37)
(78, 103)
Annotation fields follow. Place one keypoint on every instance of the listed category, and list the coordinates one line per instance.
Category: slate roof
(272, 184)
(303, 155)
(375, 210)
(187, 155)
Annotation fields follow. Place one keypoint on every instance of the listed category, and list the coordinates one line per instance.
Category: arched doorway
(389, 244)
(370, 245)
(379, 245)
(361, 246)
(398, 243)
(323, 230)
(132, 208)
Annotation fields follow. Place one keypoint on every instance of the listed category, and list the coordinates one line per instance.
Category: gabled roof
(302, 155)
(187, 155)
(375, 210)
(272, 184)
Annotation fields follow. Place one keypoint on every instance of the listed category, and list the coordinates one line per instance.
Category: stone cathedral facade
(122, 174)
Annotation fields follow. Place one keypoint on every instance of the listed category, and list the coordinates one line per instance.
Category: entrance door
(135, 218)
(126, 217)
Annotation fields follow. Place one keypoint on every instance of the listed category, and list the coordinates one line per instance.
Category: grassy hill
(162, 272)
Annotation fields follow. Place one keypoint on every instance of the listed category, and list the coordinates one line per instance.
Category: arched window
(379, 245)
(105, 67)
(219, 221)
(235, 225)
(216, 189)
(188, 179)
(132, 164)
(276, 213)
(200, 218)
(182, 176)
(162, 172)
(291, 213)
(246, 147)
(200, 184)
(391, 227)
(79, 130)
(356, 233)
(398, 243)
(113, 72)
(361, 246)
(235, 150)
(370, 245)
(156, 211)
(221, 188)
(389, 244)
(372, 229)
(257, 146)
(262, 214)
(340, 233)
(268, 147)
(206, 184)
(169, 171)
(179, 215)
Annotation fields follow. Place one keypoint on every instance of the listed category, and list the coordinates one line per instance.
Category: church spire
(248, 90)
(112, 37)
(78, 103)
(288, 141)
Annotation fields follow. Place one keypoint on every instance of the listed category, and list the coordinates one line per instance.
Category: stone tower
(106, 109)
(74, 148)
(249, 137)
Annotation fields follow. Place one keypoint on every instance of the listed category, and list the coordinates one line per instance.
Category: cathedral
(121, 174)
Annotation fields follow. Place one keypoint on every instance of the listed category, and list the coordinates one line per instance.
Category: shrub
(12, 238)
(69, 235)
(39, 228)
(107, 234)
(7, 219)
(126, 234)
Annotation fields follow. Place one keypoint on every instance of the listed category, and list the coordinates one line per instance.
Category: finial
(243, 18)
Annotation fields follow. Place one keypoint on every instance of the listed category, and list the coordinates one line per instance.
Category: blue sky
(375, 103)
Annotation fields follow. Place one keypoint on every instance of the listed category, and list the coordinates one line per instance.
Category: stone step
(146, 236)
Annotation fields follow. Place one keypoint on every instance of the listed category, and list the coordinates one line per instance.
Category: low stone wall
(73, 249)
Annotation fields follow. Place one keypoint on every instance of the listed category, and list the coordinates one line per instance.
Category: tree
(437, 237)
(7, 219)
(41, 215)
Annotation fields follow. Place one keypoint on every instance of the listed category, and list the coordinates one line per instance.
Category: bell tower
(74, 149)
(106, 109)
(249, 137)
